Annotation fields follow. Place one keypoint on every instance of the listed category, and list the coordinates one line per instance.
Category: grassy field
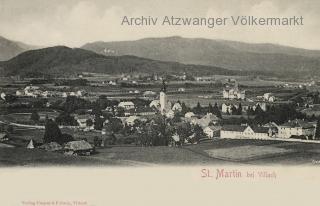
(222, 152)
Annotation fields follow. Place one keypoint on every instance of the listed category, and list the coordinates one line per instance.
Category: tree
(228, 112)
(65, 118)
(98, 122)
(52, 132)
(210, 108)
(199, 134)
(115, 125)
(184, 109)
(197, 109)
(97, 141)
(234, 110)
(239, 112)
(89, 122)
(184, 130)
(317, 135)
(35, 116)
(216, 110)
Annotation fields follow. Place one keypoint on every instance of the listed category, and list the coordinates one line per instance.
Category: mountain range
(160, 55)
(220, 53)
(65, 61)
(10, 49)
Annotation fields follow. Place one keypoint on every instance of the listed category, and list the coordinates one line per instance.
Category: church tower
(163, 98)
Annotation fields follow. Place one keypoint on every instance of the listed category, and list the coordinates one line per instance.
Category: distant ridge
(64, 61)
(220, 53)
(9, 48)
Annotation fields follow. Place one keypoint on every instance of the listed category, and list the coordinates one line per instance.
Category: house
(269, 97)
(297, 128)
(19, 93)
(212, 131)
(80, 147)
(206, 120)
(32, 91)
(131, 120)
(83, 120)
(226, 108)
(177, 107)
(170, 114)
(64, 94)
(3, 137)
(149, 94)
(80, 93)
(233, 93)
(273, 128)
(244, 132)
(141, 111)
(126, 105)
(189, 115)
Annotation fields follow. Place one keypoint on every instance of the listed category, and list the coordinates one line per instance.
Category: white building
(244, 132)
(297, 128)
(206, 120)
(189, 115)
(169, 114)
(19, 93)
(177, 107)
(212, 131)
(131, 120)
(126, 105)
(155, 104)
(233, 93)
(82, 121)
(269, 97)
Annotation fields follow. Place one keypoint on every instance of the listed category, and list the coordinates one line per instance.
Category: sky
(76, 22)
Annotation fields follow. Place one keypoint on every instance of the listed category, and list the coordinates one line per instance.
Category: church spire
(164, 86)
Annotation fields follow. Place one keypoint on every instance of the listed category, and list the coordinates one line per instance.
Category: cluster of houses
(298, 129)
(35, 91)
(226, 107)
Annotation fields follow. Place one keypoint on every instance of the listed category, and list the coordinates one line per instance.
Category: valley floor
(218, 152)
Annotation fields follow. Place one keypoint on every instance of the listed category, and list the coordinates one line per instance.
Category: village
(148, 112)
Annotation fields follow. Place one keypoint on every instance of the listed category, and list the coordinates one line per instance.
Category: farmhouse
(206, 120)
(126, 105)
(3, 137)
(150, 94)
(131, 120)
(269, 97)
(80, 147)
(297, 128)
(212, 131)
(155, 104)
(177, 107)
(141, 111)
(244, 132)
(82, 120)
(189, 115)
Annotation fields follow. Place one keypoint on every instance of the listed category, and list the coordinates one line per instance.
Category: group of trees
(53, 133)
(199, 110)
(278, 114)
